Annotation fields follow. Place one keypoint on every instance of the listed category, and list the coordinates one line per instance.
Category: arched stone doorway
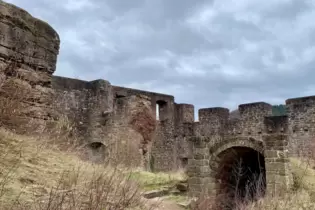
(209, 159)
(95, 152)
(238, 170)
(240, 175)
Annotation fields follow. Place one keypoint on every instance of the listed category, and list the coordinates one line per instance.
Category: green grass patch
(155, 181)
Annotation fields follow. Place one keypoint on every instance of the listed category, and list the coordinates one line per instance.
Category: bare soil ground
(162, 204)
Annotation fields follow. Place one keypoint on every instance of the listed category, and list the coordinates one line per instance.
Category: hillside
(36, 174)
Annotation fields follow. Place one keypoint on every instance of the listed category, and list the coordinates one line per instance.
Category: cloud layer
(207, 53)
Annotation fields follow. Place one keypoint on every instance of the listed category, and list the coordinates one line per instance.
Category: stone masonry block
(202, 162)
(201, 152)
(274, 154)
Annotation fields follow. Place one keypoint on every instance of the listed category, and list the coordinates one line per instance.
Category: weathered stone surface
(125, 124)
(155, 193)
(254, 130)
(139, 127)
(27, 39)
(28, 55)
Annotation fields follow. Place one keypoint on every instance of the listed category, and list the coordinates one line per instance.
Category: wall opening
(240, 177)
(184, 162)
(151, 163)
(157, 111)
(161, 110)
(95, 152)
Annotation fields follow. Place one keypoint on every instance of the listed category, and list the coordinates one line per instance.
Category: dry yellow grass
(32, 169)
(303, 173)
(33, 172)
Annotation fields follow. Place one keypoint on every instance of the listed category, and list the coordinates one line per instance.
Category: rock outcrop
(28, 55)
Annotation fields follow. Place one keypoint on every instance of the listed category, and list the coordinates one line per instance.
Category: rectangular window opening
(157, 110)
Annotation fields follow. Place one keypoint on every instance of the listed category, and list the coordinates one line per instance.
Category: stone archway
(238, 170)
(240, 175)
(207, 153)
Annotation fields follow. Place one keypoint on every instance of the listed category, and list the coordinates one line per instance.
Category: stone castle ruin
(111, 120)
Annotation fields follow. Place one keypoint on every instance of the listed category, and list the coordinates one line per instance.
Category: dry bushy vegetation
(36, 174)
(42, 177)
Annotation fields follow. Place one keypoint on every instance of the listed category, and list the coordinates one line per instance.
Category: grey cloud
(122, 6)
(288, 9)
(149, 43)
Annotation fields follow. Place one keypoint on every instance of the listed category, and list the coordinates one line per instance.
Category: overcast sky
(207, 53)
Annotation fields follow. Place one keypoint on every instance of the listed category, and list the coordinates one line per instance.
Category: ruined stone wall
(301, 113)
(216, 132)
(132, 130)
(28, 55)
(184, 120)
(88, 105)
(166, 102)
(170, 148)
(217, 124)
(164, 152)
(91, 110)
(252, 118)
(32, 100)
(123, 124)
(213, 122)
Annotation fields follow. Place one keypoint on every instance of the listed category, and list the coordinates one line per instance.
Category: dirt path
(162, 204)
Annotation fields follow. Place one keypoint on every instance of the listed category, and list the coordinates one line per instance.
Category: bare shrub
(12, 93)
(62, 133)
(234, 197)
(49, 186)
(103, 190)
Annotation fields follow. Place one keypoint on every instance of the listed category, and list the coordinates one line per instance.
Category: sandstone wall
(163, 153)
(216, 133)
(88, 105)
(184, 119)
(166, 102)
(132, 130)
(123, 124)
(301, 113)
(28, 55)
(33, 101)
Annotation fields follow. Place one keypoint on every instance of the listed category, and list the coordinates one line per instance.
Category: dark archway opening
(241, 176)
(96, 152)
(184, 162)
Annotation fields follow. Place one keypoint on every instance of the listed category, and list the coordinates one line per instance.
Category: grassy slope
(29, 168)
(29, 165)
